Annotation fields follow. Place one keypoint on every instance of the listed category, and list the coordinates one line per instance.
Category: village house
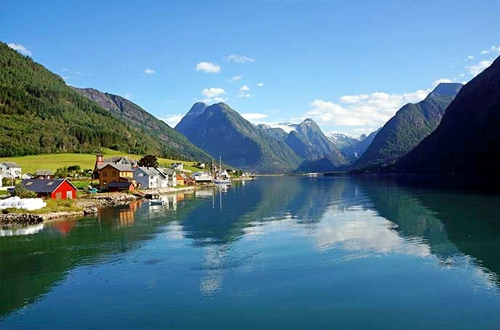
(10, 170)
(170, 175)
(115, 169)
(177, 166)
(150, 178)
(44, 174)
(179, 180)
(115, 173)
(202, 177)
(120, 186)
(100, 163)
(51, 188)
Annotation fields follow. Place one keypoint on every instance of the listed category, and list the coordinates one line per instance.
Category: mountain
(468, 138)
(409, 126)
(352, 148)
(40, 114)
(309, 142)
(221, 131)
(189, 118)
(278, 131)
(175, 144)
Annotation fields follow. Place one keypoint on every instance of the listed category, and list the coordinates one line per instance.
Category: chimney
(99, 159)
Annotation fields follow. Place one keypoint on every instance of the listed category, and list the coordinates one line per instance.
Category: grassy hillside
(30, 164)
(40, 114)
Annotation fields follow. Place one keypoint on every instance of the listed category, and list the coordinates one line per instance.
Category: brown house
(115, 173)
(121, 186)
(44, 174)
(114, 169)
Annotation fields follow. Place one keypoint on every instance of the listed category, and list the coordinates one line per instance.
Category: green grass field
(30, 164)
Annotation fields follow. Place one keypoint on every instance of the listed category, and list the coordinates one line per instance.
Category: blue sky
(347, 64)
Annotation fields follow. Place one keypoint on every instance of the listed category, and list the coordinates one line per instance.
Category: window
(113, 173)
(104, 174)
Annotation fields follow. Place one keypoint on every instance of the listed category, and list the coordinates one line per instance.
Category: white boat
(219, 179)
(222, 181)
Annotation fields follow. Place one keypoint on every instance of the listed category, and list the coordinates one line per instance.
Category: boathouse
(54, 189)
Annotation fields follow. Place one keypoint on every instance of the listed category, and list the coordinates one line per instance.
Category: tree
(21, 192)
(74, 168)
(148, 161)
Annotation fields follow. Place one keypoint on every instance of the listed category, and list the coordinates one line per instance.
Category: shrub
(21, 192)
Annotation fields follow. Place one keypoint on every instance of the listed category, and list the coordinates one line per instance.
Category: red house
(54, 189)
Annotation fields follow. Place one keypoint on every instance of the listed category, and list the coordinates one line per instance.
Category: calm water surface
(275, 253)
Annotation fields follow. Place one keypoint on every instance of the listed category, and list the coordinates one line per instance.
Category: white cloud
(238, 58)
(441, 80)
(361, 113)
(172, 120)
(470, 57)
(235, 78)
(213, 92)
(244, 88)
(20, 48)
(493, 49)
(479, 67)
(215, 100)
(207, 67)
(260, 84)
(149, 71)
(245, 95)
(128, 96)
(253, 116)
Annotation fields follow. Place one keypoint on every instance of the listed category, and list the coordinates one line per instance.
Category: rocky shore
(88, 205)
(18, 219)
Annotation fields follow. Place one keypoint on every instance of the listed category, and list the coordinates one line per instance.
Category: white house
(170, 175)
(10, 170)
(178, 166)
(202, 177)
(150, 178)
(1, 180)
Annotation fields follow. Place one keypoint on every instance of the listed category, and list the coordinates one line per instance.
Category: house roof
(10, 164)
(43, 186)
(44, 172)
(120, 159)
(119, 184)
(150, 171)
(119, 167)
(166, 171)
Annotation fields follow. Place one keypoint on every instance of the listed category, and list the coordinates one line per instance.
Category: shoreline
(90, 204)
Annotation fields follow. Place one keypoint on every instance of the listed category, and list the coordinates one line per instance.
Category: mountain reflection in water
(270, 240)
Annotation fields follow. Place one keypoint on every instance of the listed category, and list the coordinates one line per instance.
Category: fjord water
(284, 252)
